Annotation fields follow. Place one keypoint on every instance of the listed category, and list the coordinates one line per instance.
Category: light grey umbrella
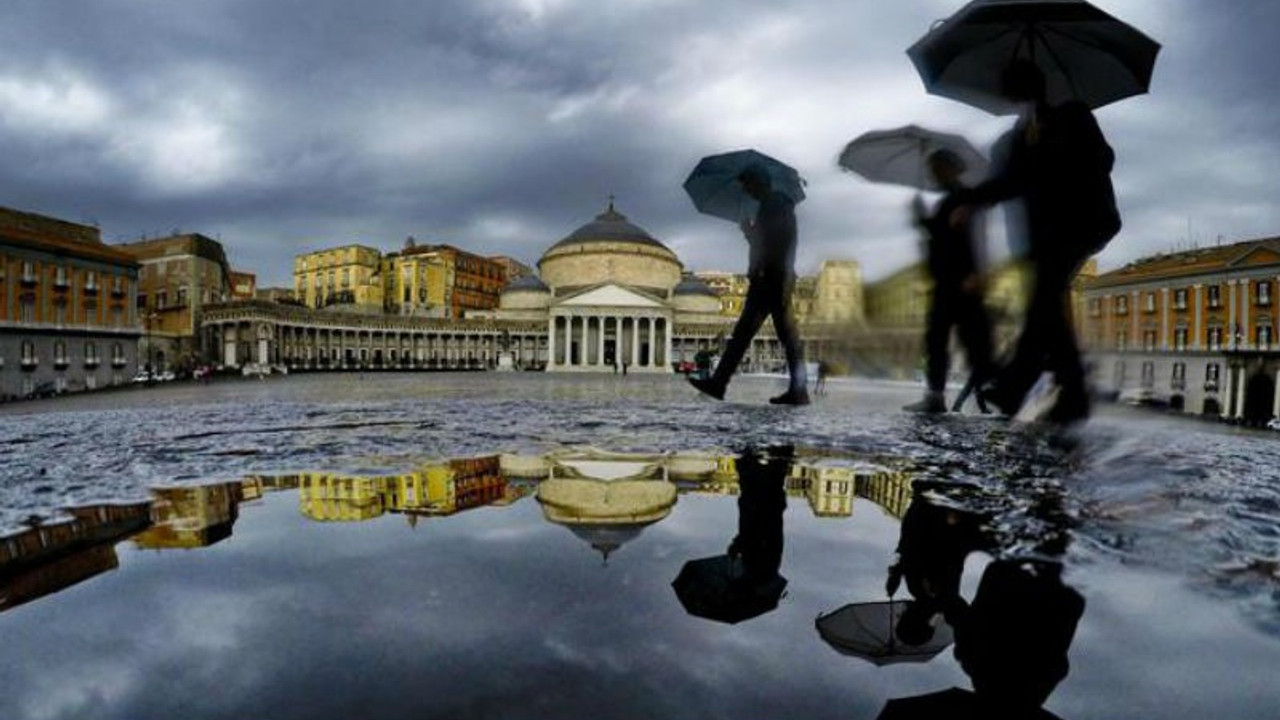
(900, 156)
(1085, 53)
(714, 188)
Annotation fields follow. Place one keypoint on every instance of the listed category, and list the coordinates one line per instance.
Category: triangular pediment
(1256, 256)
(610, 295)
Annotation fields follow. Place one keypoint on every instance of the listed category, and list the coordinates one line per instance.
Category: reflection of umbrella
(869, 631)
(901, 156)
(713, 184)
(714, 588)
(953, 703)
(1084, 53)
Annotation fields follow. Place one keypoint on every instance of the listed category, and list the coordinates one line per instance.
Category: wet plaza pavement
(505, 546)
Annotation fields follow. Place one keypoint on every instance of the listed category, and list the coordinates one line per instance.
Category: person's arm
(1005, 181)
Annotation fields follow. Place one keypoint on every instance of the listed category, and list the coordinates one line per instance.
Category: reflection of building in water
(49, 558)
(192, 517)
(606, 499)
(830, 489)
(436, 489)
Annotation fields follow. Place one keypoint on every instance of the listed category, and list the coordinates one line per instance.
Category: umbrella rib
(1053, 54)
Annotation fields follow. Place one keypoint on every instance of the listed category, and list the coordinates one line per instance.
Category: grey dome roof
(610, 226)
(694, 286)
(528, 282)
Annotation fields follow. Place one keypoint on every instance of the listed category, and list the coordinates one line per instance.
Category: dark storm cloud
(501, 125)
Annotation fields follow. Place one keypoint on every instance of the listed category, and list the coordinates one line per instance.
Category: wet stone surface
(452, 545)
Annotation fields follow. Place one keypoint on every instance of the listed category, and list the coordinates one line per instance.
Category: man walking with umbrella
(771, 271)
(1058, 163)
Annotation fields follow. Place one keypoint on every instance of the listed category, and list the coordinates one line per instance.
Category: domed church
(611, 296)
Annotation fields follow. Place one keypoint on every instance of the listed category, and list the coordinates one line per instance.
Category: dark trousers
(1048, 340)
(964, 311)
(767, 296)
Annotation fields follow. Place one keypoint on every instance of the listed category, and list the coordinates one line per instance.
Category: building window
(1262, 337)
(1215, 338)
(28, 357)
(91, 358)
(1215, 296)
(1263, 294)
(1095, 308)
(1151, 302)
(1180, 339)
(1212, 373)
(117, 286)
(117, 355)
(91, 281)
(27, 310)
(1148, 375)
(1122, 340)
(1122, 305)
(60, 276)
(60, 313)
(60, 359)
(1149, 340)
(28, 271)
(1179, 376)
(1180, 299)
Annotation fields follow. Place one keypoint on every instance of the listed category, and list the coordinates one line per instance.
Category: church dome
(525, 293)
(610, 249)
(695, 296)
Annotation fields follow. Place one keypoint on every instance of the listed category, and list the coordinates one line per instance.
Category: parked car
(142, 377)
(166, 376)
(1273, 424)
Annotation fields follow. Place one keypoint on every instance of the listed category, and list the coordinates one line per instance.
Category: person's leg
(1063, 350)
(937, 339)
(754, 311)
(1016, 378)
(784, 326)
(975, 335)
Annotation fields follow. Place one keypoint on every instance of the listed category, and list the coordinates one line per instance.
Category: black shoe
(932, 404)
(791, 397)
(991, 394)
(708, 386)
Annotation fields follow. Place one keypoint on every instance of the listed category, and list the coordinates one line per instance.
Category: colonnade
(600, 341)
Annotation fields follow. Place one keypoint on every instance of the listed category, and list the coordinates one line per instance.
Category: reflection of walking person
(957, 284)
(1058, 163)
(761, 502)
(772, 240)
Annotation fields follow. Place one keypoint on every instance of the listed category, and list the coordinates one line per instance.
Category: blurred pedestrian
(1057, 162)
(771, 273)
(952, 251)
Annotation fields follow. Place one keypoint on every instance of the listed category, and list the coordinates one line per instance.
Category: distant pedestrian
(624, 368)
(820, 386)
(771, 273)
(1057, 162)
(957, 301)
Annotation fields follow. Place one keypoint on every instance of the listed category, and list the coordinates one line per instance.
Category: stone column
(635, 341)
(1227, 392)
(551, 342)
(653, 343)
(667, 343)
(1135, 319)
(600, 322)
(1240, 394)
(1275, 405)
(1198, 342)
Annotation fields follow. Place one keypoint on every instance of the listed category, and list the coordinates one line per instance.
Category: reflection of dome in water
(607, 538)
(606, 513)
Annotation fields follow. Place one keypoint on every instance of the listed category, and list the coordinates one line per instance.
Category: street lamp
(151, 318)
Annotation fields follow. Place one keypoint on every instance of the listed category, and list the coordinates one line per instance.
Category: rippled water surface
(323, 590)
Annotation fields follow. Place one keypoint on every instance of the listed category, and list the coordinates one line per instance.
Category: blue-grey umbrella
(1085, 53)
(714, 188)
(900, 156)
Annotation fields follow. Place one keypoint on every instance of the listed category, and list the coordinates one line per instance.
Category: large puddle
(589, 582)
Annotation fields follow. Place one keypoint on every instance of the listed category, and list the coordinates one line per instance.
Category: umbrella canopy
(714, 588)
(954, 704)
(1084, 53)
(901, 156)
(714, 188)
(869, 631)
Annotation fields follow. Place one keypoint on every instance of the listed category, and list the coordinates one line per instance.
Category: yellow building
(191, 517)
(350, 275)
(434, 489)
(417, 284)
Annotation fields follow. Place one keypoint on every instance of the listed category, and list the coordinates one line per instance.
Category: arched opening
(1212, 407)
(1259, 398)
(1177, 402)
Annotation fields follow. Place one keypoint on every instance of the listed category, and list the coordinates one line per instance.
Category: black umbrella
(953, 704)
(1084, 53)
(714, 188)
(870, 631)
(901, 156)
(717, 589)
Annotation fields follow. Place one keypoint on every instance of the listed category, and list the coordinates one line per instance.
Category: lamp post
(151, 318)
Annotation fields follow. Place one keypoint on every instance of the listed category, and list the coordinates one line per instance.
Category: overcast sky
(501, 125)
